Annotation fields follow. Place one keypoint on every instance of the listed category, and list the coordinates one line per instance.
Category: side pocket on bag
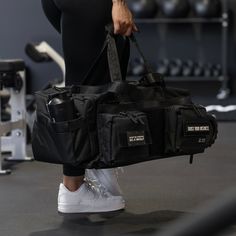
(124, 138)
(60, 142)
(188, 130)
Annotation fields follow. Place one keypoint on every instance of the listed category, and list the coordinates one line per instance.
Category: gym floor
(157, 193)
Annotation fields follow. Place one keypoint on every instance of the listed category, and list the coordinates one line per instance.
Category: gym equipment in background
(5, 97)
(220, 75)
(187, 69)
(208, 70)
(220, 108)
(43, 52)
(217, 70)
(206, 8)
(40, 53)
(136, 67)
(12, 78)
(176, 67)
(174, 8)
(163, 67)
(143, 8)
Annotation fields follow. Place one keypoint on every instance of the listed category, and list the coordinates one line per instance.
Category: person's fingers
(123, 27)
(129, 31)
(135, 28)
(116, 27)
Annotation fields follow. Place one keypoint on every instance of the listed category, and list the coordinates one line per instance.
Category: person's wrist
(119, 2)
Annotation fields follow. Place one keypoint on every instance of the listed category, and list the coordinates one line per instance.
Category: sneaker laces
(96, 187)
(91, 189)
(96, 181)
(119, 169)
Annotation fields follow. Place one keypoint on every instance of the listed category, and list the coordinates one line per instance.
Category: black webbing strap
(61, 127)
(113, 60)
(145, 61)
(92, 67)
(113, 57)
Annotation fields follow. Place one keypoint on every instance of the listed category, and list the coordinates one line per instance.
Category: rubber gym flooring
(157, 193)
(221, 116)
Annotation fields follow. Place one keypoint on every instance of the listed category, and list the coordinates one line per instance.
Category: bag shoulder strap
(113, 58)
(96, 61)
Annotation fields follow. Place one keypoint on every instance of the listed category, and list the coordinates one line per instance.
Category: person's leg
(52, 13)
(73, 177)
(83, 32)
(82, 24)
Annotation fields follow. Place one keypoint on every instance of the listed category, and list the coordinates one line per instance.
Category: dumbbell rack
(13, 132)
(224, 21)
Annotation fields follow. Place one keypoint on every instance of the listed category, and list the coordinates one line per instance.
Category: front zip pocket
(124, 138)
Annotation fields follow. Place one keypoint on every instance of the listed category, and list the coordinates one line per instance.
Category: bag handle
(149, 79)
(97, 59)
(147, 65)
(114, 62)
(112, 56)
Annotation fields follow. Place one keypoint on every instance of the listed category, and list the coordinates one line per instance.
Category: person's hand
(122, 18)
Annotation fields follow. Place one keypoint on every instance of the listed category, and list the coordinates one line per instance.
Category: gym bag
(120, 123)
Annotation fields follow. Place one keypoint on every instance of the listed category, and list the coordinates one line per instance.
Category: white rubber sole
(65, 209)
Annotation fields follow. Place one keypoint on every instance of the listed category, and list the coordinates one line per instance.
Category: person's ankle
(72, 188)
(72, 183)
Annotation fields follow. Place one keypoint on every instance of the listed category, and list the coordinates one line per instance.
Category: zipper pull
(123, 113)
(141, 121)
(133, 118)
(138, 118)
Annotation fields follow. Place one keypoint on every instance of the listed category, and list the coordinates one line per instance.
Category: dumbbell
(143, 8)
(5, 115)
(217, 70)
(206, 8)
(176, 67)
(188, 67)
(212, 70)
(174, 8)
(208, 70)
(198, 69)
(137, 67)
(163, 67)
(5, 98)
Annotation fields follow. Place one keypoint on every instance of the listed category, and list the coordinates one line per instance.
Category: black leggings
(82, 26)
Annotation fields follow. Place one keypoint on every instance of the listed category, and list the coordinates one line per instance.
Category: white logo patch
(198, 128)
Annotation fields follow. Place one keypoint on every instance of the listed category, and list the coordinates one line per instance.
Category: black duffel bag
(120, 123)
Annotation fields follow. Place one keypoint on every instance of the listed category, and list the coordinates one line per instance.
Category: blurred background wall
(23, 21)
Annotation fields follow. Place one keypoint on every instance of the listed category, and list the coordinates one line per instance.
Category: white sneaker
(87, 200)
(104, 179)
